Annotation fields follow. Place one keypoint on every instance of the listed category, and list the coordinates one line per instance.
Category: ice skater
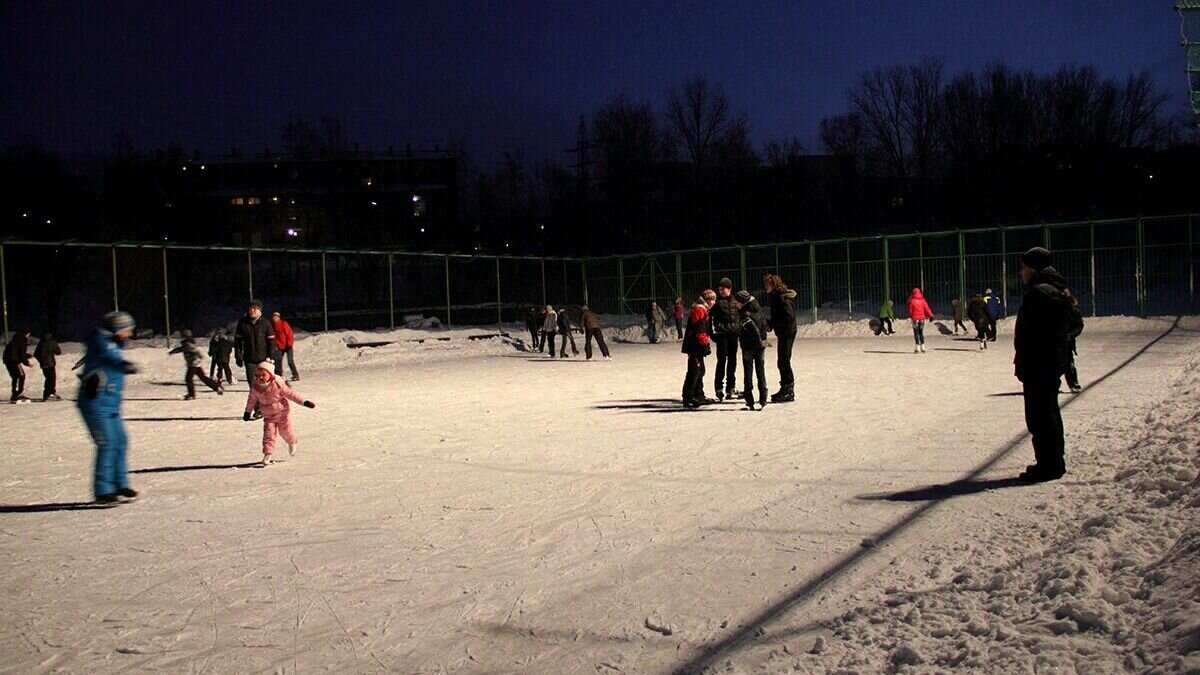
(697, 345)
(655, 320)
(219, 350)
(677, 313)
(994, 310)
(1074, 328)
(252, 341)
(918, 313)
(101, 388)
(590, 321)
(782, 301)
(887, 313)
(285, 345)
(193, 361)
(270, 396)
(549, 328)
(753, 337)
(45, 352)
(16, 360)
(957, 306)
(564, 331)
(725, 325)
(978, 314)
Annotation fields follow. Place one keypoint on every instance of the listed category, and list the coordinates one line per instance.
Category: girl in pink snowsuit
(272, 396)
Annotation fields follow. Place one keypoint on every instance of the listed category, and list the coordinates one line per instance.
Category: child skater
(195, 366)
(271, 396)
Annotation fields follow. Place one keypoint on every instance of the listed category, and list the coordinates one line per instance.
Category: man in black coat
(1042, 356)
(16, 359)
(252, 341)
(725, 326)
(47, 348)
(219, 350)
(782, 302)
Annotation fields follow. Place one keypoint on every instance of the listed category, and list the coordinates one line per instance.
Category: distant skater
(285, 345)
(101, 388)
(782, 301)
(565, 334)
(550, 328)
(918, 313)
(753, 336)
(994, 310)
(270, 395)
(193, 360)
(16, 360)
(655, 320)
(957, 306)
(697, 345)
(677, 313)
(45, 352)
(590, 321)
(978, 314)
(887, 313)
(725, 324)
(219, 350)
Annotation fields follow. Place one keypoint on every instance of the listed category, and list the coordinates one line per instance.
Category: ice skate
(189, 397)
(922, 349)
(127, 494)
(916, 350)
(53, 397)
(720, 396)
(292, 448)
(267, 460)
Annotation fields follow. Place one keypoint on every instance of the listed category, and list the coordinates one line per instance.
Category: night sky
(507, 75)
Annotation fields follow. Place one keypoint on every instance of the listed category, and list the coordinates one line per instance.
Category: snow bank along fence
(1133, 266)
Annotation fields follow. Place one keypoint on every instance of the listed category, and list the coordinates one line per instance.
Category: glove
(309, 404)
(246, 417)
(130, 369)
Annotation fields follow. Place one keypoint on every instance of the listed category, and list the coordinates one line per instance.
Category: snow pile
(1105, 576)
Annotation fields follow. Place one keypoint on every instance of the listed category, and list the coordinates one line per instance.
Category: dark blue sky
(507, 75)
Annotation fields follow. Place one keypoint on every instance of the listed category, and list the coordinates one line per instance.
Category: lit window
(368, 181)
(274, 200)
(237, 201)
(253, 201)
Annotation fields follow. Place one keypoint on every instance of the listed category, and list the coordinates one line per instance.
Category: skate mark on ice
(704, 657)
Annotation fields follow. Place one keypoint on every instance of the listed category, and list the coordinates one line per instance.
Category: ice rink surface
(464, 506)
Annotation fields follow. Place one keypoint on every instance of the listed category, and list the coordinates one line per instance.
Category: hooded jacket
(918, 309)
(284, 337)
(219, 348)
(1043, 323)
(102, 382)
(725, 320)
(753, 333)
(16, 352)
(783, 311)
(695, 337)
(550, 323)
(589, 320)
(46, 350)
(271, 398)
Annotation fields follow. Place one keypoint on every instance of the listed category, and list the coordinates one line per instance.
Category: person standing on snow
(887, 313)
(550, 328)
(590, 321)
(993, 313)
(285, 343)
(918, 313)
(1074, 328)
(16, 359)
(782, 301)
(101, 388)
(194, 362)
(977, 312)
(252, 341)
(219, 349)
(564, 329)
(723, 317)
(957, 306)
(697, 345)
(1042, 346)
(753, 336)
(677, 314)
(271, 396)
(47, 348)
(655, 320)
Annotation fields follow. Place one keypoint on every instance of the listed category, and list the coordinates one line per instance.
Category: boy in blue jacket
(101, 388)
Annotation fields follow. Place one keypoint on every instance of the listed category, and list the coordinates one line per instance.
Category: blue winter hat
(115, 322)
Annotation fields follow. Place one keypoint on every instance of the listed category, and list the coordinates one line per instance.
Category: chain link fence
(1136, 266)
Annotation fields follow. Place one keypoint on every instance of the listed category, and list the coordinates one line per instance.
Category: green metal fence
(1135, 266)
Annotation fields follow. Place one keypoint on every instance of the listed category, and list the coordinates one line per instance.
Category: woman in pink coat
(271, 396)
(918, 313)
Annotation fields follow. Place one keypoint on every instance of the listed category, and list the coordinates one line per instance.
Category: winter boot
(786, 394)
(720, 396)
(749, 398)
(292, 448)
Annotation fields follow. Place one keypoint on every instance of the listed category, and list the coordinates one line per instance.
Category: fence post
(962, 270)
(921, 261)
(249, 272)
(447, 268)
(653, 280)
(776, 258)
(887, 276)
(3, 295)
(116, 303)
(679, 274)
(391, 296)
(583, 270)
(166, 297)
(742, 263)
(1092, 261)
(543, 282)
(1141, 268)
(1003, 271)
(499, 316)
(621, 289)
(849, 285)
(812, 278)
(324, 294)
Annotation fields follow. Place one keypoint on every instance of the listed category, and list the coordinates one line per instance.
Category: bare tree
(699, 114)
(842, 135)
(879, 99)
(783, 152)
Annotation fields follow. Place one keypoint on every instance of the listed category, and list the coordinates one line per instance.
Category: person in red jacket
(677, 313)
(918, 312)
(285, 342)
(697, 345)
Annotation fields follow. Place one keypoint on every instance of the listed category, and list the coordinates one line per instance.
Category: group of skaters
(17, 358)
(545, 324)
(1047, 326)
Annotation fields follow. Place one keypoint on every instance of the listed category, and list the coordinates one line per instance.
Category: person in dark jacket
(957, 309)
(655, 320)
(782, 301)
(16, 360)
(590, 321)
(564, 330)
(1074, 328)
(994, 310)
(723, 317)
(534, 318)
(194, 360)
(752, 336)
(219, 350)
(978, 314)
(1042, 356)
(47, 348)
(253, 341)
(697, 345)
(101, 389)
(550, 328)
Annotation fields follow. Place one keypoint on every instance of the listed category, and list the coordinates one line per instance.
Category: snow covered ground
(462, 506)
